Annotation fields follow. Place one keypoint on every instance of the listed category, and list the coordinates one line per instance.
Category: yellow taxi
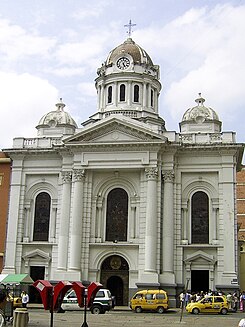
(150, 300)
(209, 304)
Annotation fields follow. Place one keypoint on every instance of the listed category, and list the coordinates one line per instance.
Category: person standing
(24, 299)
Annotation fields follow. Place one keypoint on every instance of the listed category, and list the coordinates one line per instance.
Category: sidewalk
(40, 306)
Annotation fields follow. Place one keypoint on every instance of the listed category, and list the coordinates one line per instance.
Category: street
(126, 317)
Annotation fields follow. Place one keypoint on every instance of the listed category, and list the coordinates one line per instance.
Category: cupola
(128, 84)
(200, 119)
(56, 122)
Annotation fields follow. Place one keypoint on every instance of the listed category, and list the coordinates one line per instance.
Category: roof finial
(60, 105)
(200, 100)
(129, 25)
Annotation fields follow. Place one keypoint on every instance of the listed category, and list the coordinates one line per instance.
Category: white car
(102, 302)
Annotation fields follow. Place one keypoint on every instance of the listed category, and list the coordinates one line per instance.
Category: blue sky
(52, 49)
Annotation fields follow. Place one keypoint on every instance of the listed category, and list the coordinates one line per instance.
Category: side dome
(57, 122)
(139, 55)
(200, 119)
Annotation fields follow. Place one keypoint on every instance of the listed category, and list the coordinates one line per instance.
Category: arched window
(122, 92)
(42, 217)
(136, 93)
(117, 215)
(199, 218)
(152, 98)
(109, 95)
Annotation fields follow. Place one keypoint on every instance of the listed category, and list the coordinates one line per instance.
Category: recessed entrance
(115, 277)
(199, 280)
(115, 285)
(36, 272)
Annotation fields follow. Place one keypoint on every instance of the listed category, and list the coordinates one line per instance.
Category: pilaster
(64, 220)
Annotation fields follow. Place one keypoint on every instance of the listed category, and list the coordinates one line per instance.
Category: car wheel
(223, 311)
(96, 309)
(195, 311)
(160, 310)
(138, 309)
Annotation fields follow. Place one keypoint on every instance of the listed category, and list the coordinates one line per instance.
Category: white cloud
(215, 44)
(67, 71)
(15, 42)
(91, 9)
(82, 52)
(24, 100)
(88, 89)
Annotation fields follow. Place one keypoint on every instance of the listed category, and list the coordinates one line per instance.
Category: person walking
(24, 299)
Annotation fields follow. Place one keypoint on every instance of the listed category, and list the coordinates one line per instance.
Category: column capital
(66, 176)
(168, 176)
(151, 173)
(78, 174)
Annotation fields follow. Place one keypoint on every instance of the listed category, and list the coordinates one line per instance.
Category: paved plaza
(124, 317)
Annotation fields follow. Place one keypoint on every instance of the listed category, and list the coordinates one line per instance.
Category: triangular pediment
(200, 257)
(115, 131)
(37, 254)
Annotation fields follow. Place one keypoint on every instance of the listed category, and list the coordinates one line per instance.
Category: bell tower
(128, 84)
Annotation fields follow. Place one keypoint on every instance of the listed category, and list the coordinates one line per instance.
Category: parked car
(152, 300)
(210, 304)
(102, 301)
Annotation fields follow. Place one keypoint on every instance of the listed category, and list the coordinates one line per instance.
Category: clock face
(123, 63)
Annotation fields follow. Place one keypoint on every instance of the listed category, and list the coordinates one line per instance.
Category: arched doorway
(115, 277)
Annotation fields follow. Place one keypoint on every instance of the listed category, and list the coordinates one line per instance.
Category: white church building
(123, 201)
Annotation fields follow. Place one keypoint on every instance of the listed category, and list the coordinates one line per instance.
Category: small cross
(129, 25)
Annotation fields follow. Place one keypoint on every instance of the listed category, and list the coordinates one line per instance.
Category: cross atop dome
(129, 25)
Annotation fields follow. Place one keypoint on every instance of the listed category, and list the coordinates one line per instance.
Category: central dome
(139, 55)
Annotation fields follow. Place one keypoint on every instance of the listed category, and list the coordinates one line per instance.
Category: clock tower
(128, 84)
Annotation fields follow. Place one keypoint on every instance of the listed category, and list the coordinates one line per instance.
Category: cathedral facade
(122, 200)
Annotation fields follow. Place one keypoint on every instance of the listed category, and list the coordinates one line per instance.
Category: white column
(99, 219)
(144, 95)
(27, 222)
(227, 202)
(149, 96)
(76, 220)
(133, 221)
(93, 220)
(151, 220)
(98, 96)
(103, 98)
(168, 223)
(53, 221)
(116, 93)
(64, 221)
(129, 94)
(13, 218)
(184, 224)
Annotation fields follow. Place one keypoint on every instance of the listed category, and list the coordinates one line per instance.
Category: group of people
(9, 296)
(234, 300)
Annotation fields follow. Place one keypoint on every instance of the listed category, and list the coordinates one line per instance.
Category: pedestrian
(24, 299)
(182, 299)
(235, 302)
(229, 300)
(242, 301)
